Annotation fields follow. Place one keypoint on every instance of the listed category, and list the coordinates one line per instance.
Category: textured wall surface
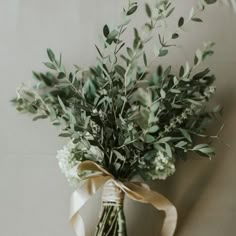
(34, 196)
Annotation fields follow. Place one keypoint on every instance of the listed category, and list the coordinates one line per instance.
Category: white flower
(68, 164)
(161, 167)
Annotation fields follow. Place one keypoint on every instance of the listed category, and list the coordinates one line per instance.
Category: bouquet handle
(135, 191)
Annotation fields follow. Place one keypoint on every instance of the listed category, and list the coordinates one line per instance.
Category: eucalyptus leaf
(106, 30)
(210, 1)
(196, 19)
(148, 10)
(149, 138)
(163, 52)
(51, 55)
(132, 10)
(153, 129)
(50, 65)
(181, 22)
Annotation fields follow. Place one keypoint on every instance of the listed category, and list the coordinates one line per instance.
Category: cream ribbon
(136, 191)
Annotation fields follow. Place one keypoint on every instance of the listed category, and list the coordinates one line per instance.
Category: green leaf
(47, 79)
(175, 80)
(195, 60)
(201, 74)
(181, 144)
(130, 52)
(148, 10)
(204, 149)
(89, 87)
(62, 104)
(164, 140)
(181, 21)
(163, 93)
(167, 72)
(50, 65)
(61, 75)
(176, 91)
(198, 57)
(71, 77)
(210, 1)
(149, 138)
(159, 70)
(175, 36)
(120, 70)
(56, 123)
(65, 134)
(132, 10)
(163, 52)
(181, 71)
(159, 147)
(186, 134)
(199, 146)
(106, 30)
(145, 59)
(154, 107)
(36, 75)
(168, 150)
(137, 40)
(191, 14)
(40, 117)
(153, 129)
(196, 19)
(60, 59)
(51, 55)
(206, 54)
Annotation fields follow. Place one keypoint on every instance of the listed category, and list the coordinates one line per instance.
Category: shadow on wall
(200, 188)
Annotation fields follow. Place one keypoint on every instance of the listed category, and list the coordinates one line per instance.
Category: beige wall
(34, 196)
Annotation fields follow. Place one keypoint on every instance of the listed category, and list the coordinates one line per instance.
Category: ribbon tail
(143, 194)
(80, 197)
(78, 225)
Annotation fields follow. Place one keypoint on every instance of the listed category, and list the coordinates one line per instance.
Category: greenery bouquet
(127, 115)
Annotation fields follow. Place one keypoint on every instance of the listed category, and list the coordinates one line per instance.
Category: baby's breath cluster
(71, 155)
(160, 166)
(68, 163)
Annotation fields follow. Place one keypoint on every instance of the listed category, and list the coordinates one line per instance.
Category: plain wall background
(34, 195)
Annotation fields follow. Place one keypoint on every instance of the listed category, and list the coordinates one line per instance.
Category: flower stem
(112, 221)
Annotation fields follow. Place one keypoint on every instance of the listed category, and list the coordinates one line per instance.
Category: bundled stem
(112, 221)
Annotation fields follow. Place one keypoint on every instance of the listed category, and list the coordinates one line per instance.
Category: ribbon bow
(135, 191)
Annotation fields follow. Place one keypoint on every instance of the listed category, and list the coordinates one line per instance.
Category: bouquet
(127, 115)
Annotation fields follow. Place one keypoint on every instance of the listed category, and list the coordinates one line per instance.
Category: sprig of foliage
(139, 120)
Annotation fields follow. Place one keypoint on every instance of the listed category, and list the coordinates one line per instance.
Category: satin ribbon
(136, 191)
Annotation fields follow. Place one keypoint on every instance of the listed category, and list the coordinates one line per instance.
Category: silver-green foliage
(134, 115)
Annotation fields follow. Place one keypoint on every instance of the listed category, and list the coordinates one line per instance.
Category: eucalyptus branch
(115, 117)
(108, 108)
